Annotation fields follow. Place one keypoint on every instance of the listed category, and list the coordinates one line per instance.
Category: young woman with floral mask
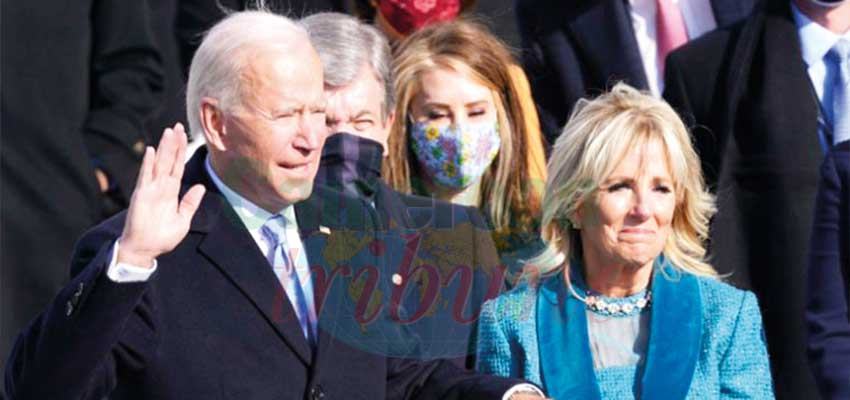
(460, 132)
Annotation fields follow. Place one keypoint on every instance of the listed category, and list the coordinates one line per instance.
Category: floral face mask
(455, 156)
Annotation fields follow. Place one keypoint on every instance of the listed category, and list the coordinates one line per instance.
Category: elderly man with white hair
(203, 288)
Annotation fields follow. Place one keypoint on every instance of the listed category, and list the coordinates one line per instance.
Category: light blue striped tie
(284, 268)
(839, 55)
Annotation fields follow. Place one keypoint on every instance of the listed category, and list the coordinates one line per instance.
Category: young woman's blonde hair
(512, 199)
(597, 137)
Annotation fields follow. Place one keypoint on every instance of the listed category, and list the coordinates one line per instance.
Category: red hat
(406, 16)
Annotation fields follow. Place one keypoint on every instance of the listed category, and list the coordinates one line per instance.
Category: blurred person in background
(828, 278)
(452, 239)
(79, 81)
(581, 48)
(767, 99)
(460, 135)
(399, 19)
(627, 306)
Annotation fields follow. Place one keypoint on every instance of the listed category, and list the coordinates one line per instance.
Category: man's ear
(385, 132)
(212, 120)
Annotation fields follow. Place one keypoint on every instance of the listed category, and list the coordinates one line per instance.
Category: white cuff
(522, 387)
(126, 273)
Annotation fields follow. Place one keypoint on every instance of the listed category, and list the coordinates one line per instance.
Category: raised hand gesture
(157, 220)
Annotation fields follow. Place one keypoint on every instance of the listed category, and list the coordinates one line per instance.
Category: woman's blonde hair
(597, 137)
(512, 201)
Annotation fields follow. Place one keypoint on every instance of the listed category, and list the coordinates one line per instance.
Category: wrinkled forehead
(291, 72)
(365, 92)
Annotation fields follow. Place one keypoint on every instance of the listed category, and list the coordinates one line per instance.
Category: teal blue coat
(705, 342)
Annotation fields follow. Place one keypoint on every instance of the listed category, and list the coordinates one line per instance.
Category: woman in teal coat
(636, 312)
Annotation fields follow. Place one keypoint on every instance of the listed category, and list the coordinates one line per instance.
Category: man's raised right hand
(157, 220)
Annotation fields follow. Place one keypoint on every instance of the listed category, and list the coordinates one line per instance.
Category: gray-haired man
(204, 297)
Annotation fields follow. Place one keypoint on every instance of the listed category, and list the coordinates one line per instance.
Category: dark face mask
(351, 164)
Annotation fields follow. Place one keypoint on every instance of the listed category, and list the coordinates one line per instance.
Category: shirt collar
(252, 215)
(815, 40)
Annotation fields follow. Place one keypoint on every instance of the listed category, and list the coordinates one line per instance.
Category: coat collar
(391, 208)
(566, 362)
(228, 245)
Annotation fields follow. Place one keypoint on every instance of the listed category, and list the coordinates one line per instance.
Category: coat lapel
(675, 332)
(613, 51)
(786, 86)
(229, 246)
(566, 364)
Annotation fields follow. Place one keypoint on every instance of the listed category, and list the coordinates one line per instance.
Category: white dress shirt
(698, 17)
(815, 43)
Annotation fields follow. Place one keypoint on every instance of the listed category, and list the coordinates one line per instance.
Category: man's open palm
(157, 219)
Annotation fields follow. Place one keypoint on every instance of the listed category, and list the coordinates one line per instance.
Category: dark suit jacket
(213, 323)
(453, 264)
(746, 92)
(456, 243)
(581, 48)
(79, 78)
(829, 276)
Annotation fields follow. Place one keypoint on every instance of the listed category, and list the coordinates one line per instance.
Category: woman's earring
(576, 225)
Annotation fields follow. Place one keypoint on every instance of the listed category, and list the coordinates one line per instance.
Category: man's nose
(311, 133)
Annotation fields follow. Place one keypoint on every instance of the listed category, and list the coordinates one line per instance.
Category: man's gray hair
(344, 45)
(228, 47)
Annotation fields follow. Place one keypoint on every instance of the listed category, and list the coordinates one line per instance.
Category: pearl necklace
(598, 305)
